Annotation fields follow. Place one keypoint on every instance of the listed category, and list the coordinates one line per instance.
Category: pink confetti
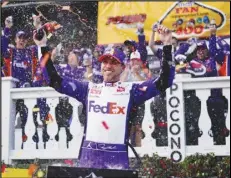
(66, 8)
(85, 20)
(68, 161)
(105, 125)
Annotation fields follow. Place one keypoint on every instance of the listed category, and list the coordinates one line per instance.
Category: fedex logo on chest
(110, 108)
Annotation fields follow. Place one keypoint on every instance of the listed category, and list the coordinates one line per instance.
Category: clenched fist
(213, 27)
(165, 35)
(37, 21)
(42, 42)
(9, 22)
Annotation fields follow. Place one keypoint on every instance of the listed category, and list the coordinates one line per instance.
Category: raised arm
(224, 46)
(217, 54)
(63, 85)
(6, 33)
(156, 51)
(142, 44)
(5, 53)
(87, 63)
(151, 88)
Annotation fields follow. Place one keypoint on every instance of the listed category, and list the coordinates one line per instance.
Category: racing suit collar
(111, 84)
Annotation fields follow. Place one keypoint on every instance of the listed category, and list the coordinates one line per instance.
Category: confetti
(69, 162)
(66, 8)
(150, 127)
(105, 125)
(143, 89)
(84, 20)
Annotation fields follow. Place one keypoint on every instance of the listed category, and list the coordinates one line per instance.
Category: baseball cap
(21, 34)
(201, 45)
(130, 42)
(115, 53)
(135, 55)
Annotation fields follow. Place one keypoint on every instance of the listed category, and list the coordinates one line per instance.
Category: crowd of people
(76, 57)
(193, 56)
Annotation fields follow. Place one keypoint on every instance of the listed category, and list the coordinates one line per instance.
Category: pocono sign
(176, 131)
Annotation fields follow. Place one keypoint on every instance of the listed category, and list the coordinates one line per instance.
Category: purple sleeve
(75, 89)
(217, 54)
(182, 49)
(145, 91)
(142, 47)
(223, 45)
(59, 69)
(5, 40)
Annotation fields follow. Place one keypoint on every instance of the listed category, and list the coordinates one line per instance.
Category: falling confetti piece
(69, 162)
(84, 20)
(50, 117)
(105, 125)
(150, 127)
(66, 8)
(143, 89)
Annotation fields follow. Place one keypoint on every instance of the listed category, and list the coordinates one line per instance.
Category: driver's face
(111, 69)
(21, 42)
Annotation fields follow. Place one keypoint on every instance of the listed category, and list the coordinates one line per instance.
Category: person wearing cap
(136, 71)
(158, 51)
(19, 62)
(105, 141)
(206, 60)
(74, 71)
(96, 65)
(140, 47)
(205, 65)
